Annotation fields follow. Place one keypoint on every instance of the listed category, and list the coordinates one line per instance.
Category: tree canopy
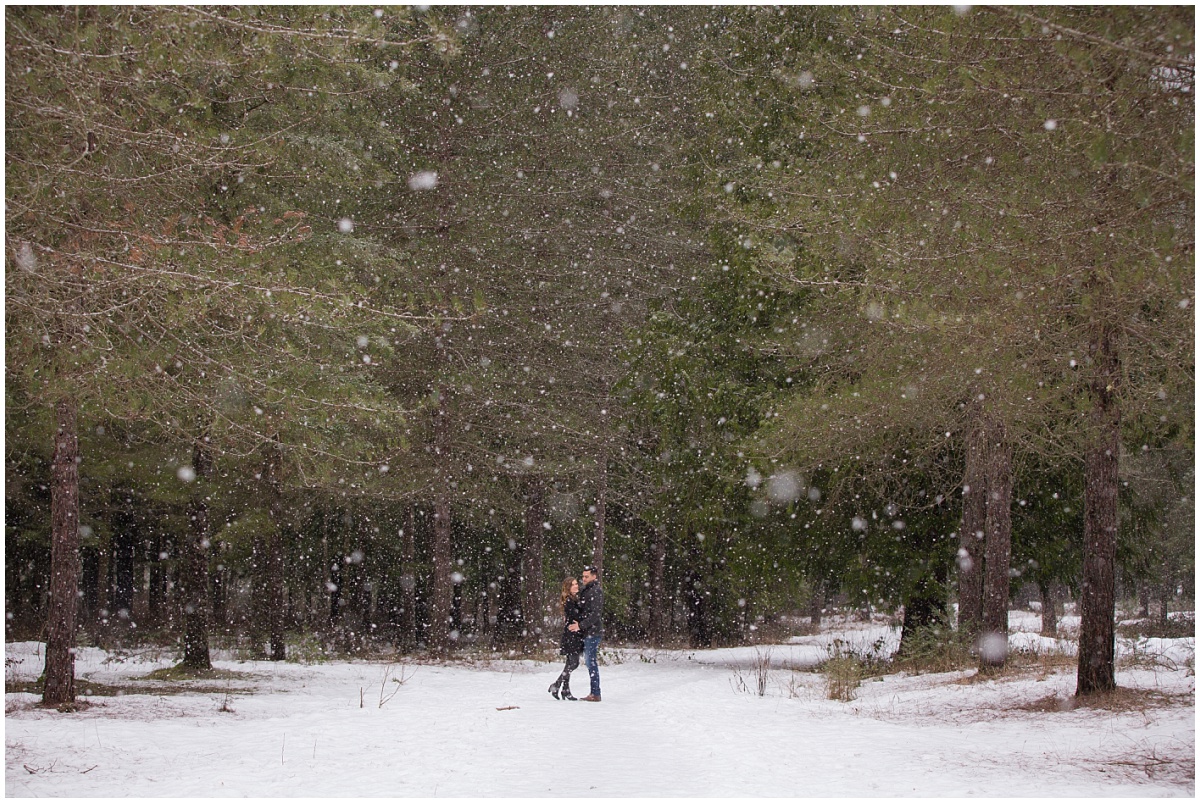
(368, 322)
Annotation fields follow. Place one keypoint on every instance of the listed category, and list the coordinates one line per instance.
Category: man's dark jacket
(591, 600)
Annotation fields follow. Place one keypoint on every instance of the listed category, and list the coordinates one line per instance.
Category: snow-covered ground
(674, 723)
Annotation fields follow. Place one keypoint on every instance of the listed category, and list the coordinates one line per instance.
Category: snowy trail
(674, 728)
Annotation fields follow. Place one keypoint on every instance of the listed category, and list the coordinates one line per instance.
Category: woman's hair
(566, 591)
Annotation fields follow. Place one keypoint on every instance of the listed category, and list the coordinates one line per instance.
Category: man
(591, 600)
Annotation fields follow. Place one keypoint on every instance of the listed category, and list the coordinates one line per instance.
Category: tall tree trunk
(816, 603)
(998, 546)
(408, 583)
(442, 589)
(534, 607)
(509, 621)
(357, 592)
(194, 569)
(336, 583)
(657, 595)
(601, 501)
(271, 559)
(1143, 587)
(1097, 647)
(1049, 608)
(696, 602)
(64, 559)
(972, 531)
(120, 566)
(218, 583)
(1166, 590)
(157, 575)
(696, 598)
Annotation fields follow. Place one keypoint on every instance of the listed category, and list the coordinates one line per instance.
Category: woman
(572, 642)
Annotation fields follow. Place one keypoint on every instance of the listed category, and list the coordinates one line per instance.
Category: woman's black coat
(572, 642)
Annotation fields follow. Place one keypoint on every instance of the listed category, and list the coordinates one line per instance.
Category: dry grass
(1124, 700)
(933, 650)
(843, 675)
(1177, 769)
(1052, 704)
(83, 688)
(166, 681)
(1120, 700)
(1042, 664)
(1021, 664)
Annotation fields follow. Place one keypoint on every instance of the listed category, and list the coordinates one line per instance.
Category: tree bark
(1143, 587)
(122, 545)
(816, 603)
(194, 570)
(271, 560)
(601, 500)
(509, 619)
(972, 531)
(64, 559)
(218, 583)
(1049, 608)
(442, 590)
(657, 598)
(157, 576)
(408, 583)
(1166, 590)
(534, 607)
(997, 545)
(695, 597)
(1097, 647)
(336, 584)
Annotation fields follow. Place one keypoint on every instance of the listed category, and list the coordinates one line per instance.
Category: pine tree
(142, 275)
(994, 206)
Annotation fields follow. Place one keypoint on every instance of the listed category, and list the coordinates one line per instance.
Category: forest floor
(741, 722)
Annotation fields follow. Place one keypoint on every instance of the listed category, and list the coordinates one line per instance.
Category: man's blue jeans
(591, 647)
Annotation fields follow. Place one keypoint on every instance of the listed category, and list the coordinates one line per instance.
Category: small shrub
(846, 667)
(759, 672)
(390, 683)
(935, 649)
(843, 674)
(762, 669)
(794, 687)
(307, 649)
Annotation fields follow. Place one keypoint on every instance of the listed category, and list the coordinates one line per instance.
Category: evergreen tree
(1003, 222)
(142, 275)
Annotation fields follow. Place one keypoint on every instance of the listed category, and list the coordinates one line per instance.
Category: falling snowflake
(424, 180)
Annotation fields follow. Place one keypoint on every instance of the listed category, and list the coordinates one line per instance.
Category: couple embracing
(582, 632)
